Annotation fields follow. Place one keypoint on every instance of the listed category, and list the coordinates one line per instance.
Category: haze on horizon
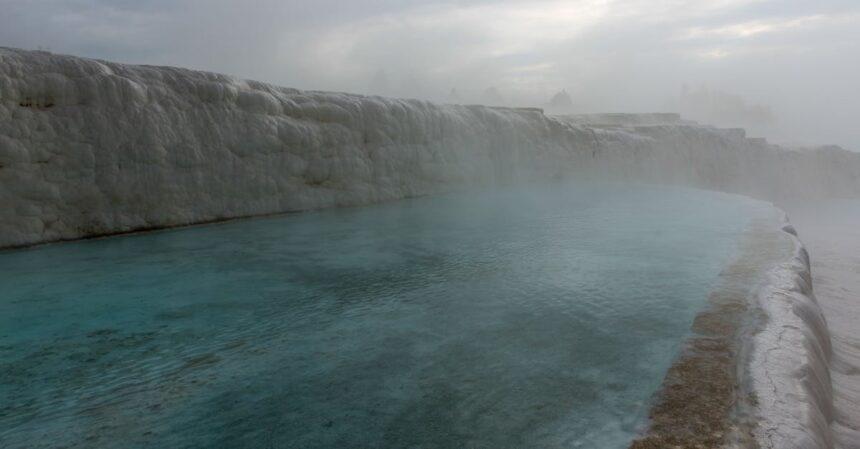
(786, 69)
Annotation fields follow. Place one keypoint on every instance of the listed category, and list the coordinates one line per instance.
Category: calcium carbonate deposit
(91, 148)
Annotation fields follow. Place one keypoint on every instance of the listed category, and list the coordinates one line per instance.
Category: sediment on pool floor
(704, 402)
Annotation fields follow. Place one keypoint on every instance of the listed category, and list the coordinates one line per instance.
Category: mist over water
(535, 317)
(542, 316)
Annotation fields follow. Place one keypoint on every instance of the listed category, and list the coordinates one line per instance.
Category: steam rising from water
(537, 318)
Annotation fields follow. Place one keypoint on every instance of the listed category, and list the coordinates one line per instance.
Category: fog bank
(794, 58)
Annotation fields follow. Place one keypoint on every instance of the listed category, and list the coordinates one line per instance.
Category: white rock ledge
(789, 368)
(92, 148)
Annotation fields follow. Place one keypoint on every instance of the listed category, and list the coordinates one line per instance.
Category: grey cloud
(631, 55)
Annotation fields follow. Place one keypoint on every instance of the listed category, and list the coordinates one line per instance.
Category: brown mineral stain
(702, 400)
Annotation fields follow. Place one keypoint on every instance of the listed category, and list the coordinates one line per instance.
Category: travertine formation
(92, 148)
(789, 365)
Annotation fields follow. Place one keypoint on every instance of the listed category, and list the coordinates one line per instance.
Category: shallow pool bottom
(539, 317)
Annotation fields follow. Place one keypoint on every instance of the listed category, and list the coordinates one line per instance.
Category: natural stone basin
(535, 317)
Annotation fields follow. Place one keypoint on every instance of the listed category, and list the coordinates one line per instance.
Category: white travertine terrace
(789, 368)
(92, 148)
(829, 229)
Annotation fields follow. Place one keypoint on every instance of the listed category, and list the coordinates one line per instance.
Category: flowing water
(538, 317)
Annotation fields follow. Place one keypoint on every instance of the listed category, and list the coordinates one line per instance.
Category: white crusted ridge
(789, 367)
(93, 147)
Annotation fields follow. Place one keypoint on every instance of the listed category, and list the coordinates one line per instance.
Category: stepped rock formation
(92, 148)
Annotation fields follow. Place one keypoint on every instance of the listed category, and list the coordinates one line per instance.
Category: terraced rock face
(90, 148)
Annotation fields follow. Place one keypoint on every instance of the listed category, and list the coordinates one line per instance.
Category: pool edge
(755, 372)
(789, 367)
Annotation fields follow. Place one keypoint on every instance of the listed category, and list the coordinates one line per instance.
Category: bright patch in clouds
(716, 53)
(756, 27)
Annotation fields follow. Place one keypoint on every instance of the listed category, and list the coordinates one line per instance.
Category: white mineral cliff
(830, 231)
(790, 364)
(91, 148)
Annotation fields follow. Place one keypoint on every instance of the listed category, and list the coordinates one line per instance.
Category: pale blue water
(542, 318)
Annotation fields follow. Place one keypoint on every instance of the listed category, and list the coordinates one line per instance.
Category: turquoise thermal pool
(544, 317)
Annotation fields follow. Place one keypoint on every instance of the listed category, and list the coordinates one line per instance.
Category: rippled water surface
(543, 317)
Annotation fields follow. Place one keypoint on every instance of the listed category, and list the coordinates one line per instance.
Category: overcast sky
(799, 57)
